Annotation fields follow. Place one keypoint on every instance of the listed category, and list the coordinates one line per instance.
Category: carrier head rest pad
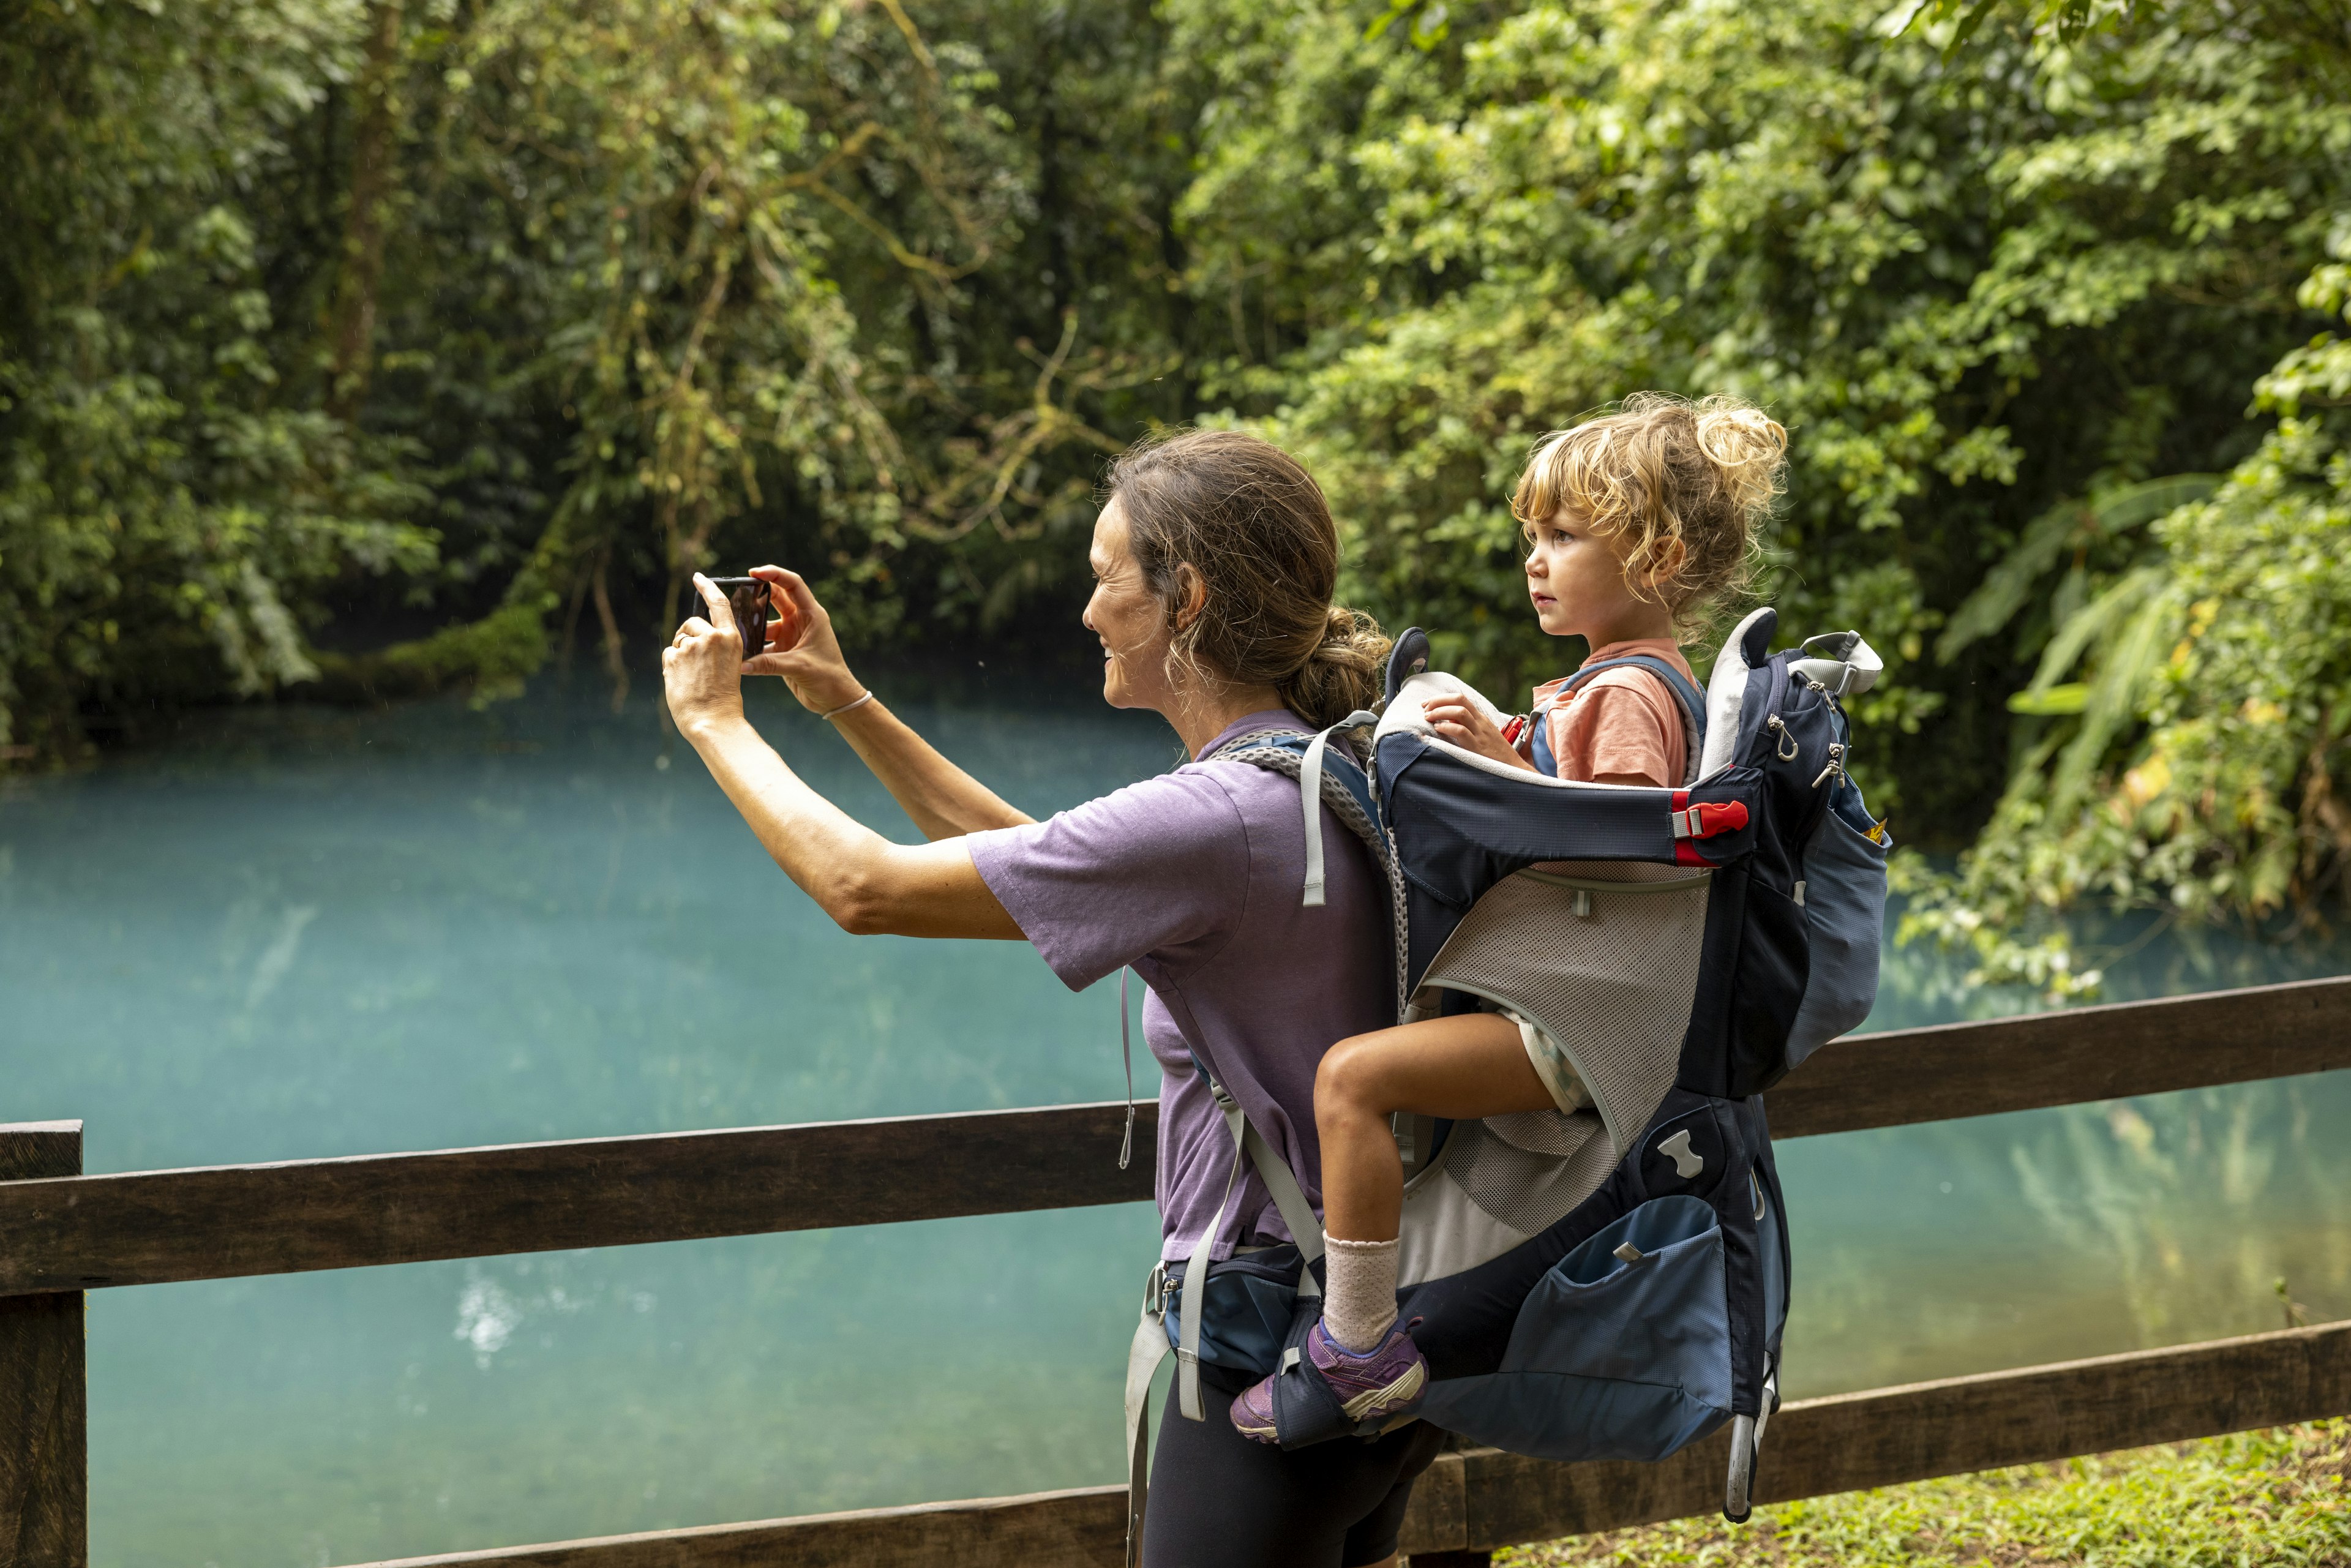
(1406, 658)
(1747, 648)
(1841, 661)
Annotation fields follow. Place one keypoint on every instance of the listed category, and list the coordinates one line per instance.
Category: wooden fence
(62, 1233)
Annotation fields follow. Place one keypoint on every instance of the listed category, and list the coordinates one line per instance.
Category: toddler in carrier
(1637, 523)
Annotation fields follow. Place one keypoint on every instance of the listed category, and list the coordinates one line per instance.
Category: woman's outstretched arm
(864, 881)
(943, 799)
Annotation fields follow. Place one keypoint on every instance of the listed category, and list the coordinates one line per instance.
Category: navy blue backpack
(1610, 1283)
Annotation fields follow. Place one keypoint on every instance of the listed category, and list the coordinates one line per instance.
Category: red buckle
(1708, 818)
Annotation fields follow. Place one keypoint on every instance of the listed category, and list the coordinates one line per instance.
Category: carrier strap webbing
(1691, 701)
(1250, 1149)
(1309, 794)
(1149, 1347)
(1142, 1358)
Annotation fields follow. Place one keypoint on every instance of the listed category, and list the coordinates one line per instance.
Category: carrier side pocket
(1844, 905)
(1621, 1350)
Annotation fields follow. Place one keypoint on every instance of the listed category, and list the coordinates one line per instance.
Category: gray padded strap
(1196, 1270)
(1249, 1147)
(1310, 795)
(1142, 1358)
(1291, 1198)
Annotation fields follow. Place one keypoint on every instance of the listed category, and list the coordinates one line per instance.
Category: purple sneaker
(1369, 1383)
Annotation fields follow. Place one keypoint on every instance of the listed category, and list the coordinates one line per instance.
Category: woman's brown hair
(1248, 518)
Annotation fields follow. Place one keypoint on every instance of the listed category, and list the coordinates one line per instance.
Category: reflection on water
(301, 934)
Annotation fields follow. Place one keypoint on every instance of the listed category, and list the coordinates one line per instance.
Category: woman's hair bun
(1347, 664)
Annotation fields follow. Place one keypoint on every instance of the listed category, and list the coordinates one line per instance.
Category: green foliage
(161, 510)
(479, 325)
(1971, 286)
(517, 311)
(2200, 774)
(2276, 1497)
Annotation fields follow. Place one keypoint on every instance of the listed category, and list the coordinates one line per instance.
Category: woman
(1215, 560)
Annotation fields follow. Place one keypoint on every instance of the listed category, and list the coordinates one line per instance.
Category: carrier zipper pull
(1836, 764)
(1786, 749)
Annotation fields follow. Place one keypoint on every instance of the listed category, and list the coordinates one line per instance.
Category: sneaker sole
(1266, 1433)
(1379, 1401)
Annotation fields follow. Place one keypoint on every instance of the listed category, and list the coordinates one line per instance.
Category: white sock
(1361, 1305)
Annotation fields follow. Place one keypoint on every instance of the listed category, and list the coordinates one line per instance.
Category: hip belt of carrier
(1610, 1283)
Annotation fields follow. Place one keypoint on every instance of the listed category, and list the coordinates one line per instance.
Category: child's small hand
(1460, 721)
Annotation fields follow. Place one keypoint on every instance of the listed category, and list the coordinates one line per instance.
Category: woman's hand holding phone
(702, 668)
(801, 647)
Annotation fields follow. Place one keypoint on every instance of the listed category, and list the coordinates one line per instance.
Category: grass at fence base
(2252, 1501)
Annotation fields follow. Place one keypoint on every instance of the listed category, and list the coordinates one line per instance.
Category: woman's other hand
(1462, 722)
(801, 647)
(702, 669)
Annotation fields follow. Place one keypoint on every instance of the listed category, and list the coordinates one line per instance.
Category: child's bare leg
(1460, 1067)
(1457, 1068)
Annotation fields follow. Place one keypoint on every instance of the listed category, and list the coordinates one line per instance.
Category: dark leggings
(1220, 1500)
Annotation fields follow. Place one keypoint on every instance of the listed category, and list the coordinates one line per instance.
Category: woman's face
(1129, 619)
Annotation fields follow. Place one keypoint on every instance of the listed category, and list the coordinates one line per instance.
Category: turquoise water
(299, 933)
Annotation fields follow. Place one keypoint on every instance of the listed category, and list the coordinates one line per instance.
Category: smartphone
(749, 596)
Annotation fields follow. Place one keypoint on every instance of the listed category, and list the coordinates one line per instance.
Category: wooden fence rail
(61, 1233)
(151, 1227)
(1483, 1499)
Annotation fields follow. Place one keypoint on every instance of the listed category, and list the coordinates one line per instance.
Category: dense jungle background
(352, 349)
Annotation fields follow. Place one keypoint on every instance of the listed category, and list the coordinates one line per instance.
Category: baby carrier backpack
(1609, 1284)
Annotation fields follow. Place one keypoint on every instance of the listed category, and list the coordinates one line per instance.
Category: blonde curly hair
(1663, 468)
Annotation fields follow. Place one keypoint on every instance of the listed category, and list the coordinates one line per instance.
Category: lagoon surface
(299, 932)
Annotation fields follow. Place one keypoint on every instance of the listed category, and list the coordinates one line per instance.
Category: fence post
(44, 1386)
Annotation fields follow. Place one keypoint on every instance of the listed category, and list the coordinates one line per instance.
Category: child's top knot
(1747, 446)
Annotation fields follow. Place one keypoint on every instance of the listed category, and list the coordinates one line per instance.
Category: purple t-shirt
(1193, 878)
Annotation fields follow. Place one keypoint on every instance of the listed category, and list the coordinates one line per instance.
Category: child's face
(1577, 581)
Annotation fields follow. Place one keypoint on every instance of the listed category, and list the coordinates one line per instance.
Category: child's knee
(1347, 1078)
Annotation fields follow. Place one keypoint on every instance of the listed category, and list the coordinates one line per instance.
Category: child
(1637, 523)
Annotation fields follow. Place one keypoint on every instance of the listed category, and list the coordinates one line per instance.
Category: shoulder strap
(1685, 694)
(1250, 1149)
(1336, 778)
(1149, 1347)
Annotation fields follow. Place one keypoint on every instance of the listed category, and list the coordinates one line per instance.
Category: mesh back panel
(1614, 985)
(1529, 1189)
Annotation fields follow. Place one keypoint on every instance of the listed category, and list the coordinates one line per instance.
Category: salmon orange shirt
(1621, 723)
